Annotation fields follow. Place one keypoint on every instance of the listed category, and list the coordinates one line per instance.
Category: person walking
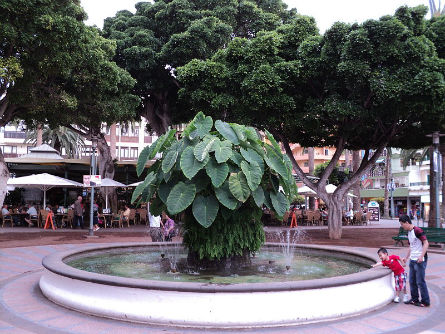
(78, 213)
(418, 259)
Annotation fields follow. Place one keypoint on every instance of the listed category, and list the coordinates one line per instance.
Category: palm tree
(59, 138)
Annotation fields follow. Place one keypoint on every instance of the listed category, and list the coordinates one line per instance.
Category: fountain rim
(54, 263)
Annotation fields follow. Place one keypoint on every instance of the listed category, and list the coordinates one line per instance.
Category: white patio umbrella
(109, 183)
(135, 184)
(44, 182)
(306, 191)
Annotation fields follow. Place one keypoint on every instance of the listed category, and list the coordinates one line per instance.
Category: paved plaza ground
(23, 309)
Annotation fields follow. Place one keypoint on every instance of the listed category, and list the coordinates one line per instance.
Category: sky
(325, 12)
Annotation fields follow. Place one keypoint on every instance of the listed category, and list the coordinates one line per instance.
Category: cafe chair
(142, 216)
(117, 220)
(68, 219)
(43, 214)
(7, 219)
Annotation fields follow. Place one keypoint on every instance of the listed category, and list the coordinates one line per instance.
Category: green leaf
(205, 209)
(238, 186)
(142, 160)
(240, 131)
(275, 182)
(200, 180)
(267, 200)
(180, 197)
(164, 191)
(161, 143)
(236, 158)
(203, 124)
(169, 161)
(157, 206)
(140, 188)
(253, 174)
(279, 202)
(203, 148)
(275, 161)
(226, 131)
(217, 172)
(274, 143)
(251, 156)
(258, 196)
(223, 150)
(189, 165)
(251, 134)
(225, 197)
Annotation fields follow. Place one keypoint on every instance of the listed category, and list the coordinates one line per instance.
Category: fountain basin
(243, 305)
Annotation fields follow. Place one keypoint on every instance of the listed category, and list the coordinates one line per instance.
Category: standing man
(78, 213)
(418, 258)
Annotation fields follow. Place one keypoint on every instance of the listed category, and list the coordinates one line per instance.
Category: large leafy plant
(215, 167)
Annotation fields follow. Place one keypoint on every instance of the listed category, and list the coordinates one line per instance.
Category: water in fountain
(287, 240)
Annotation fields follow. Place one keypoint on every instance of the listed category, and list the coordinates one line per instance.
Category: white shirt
(5, 212)
(415, 245)
(155, 221)
(32, 211)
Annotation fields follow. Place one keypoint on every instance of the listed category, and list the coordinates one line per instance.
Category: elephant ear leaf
(225, 197)
(226, 131)
(258, 196)
(203, 124)
(180, 197)
(253, 174)
(205, 209)
(217, 172)
(189, 165)
(238, 186)
(280, 203)
(223, 150)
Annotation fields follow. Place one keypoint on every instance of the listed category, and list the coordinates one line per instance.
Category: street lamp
(391, 187)
(93, 172)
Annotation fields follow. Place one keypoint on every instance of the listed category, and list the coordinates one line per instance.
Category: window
(8, 149)
(306, 164)
(134, 152)
(305, 151)
(125, 152)
(136, 131)
(326, 151)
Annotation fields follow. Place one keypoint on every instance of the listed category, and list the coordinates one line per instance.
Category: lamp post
(93, 172)
(391, 187)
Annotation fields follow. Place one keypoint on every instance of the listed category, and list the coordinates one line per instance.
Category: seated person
(168, 227)
(126, 213)
(5, 211)
(32, 213)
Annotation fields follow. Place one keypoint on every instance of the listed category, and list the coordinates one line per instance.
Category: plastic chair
(143, 216)
(117, 219)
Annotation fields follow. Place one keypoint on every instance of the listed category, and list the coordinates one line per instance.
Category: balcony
(15, 134)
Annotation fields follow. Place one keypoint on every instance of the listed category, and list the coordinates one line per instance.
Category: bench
(433, 234)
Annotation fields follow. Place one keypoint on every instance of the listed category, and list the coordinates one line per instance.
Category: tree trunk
(4, 176)
(442, 152)
(311, 157)
(113, 140)
(432, 213)
(387, 181)
(157, 112)
(39, 134)
(106, 170)
(347, 159)
(335, 218)
(356, 186)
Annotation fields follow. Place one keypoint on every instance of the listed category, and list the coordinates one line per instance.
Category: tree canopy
(56, 70)
(166, 34)
(361, 86)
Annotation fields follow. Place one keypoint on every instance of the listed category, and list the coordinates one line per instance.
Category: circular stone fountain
(204, 305)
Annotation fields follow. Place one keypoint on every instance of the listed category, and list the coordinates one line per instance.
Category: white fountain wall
(220, 309)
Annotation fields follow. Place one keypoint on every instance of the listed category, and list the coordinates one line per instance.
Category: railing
(414, 184)
(15, 134)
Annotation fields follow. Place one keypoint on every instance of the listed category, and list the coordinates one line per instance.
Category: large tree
(57, 71)
(166, 34)
(364, 86)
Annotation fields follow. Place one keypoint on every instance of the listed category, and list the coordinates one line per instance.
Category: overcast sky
(325, 12)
